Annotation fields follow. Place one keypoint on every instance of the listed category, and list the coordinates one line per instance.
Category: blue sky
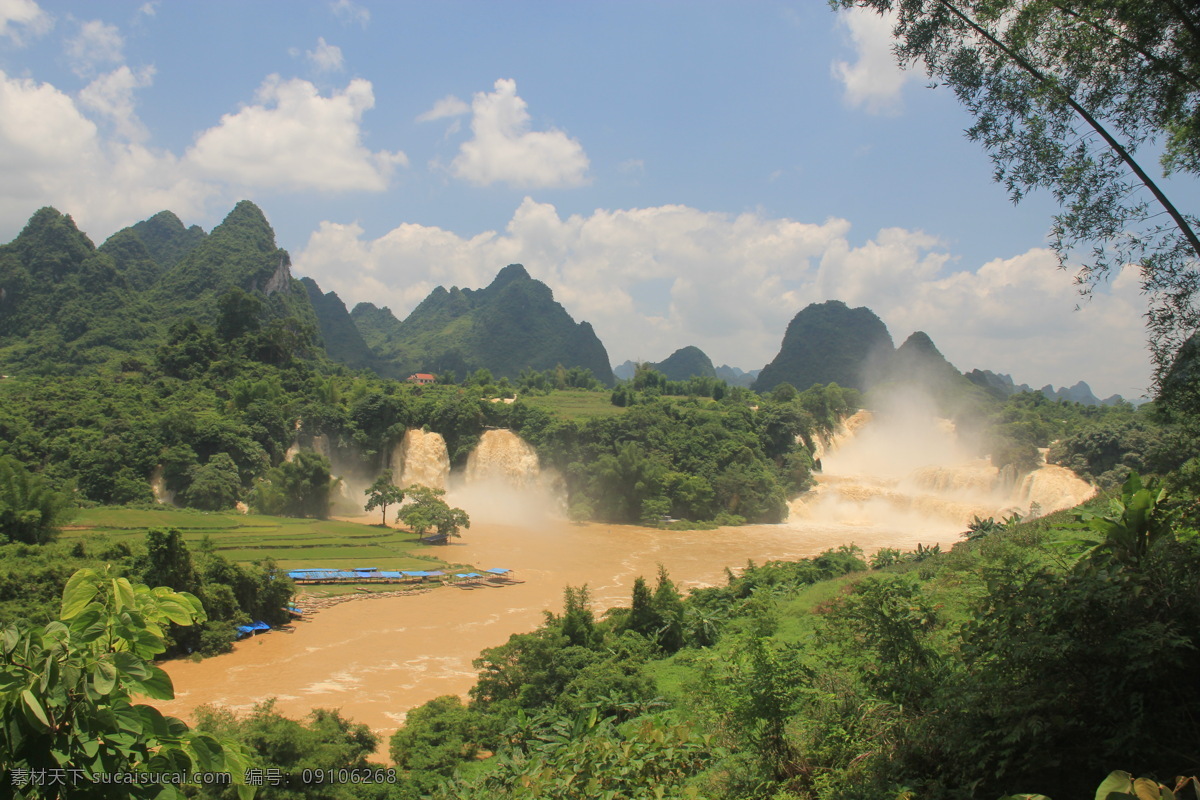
(680, 173)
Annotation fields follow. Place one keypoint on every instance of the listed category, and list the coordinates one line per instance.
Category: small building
(421, 378)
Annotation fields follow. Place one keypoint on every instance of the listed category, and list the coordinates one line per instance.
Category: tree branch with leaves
(1066, 96)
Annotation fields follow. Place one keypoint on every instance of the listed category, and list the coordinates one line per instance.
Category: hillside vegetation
(192, 368)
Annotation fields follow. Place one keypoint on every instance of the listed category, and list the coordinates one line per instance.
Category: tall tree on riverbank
(383, 493)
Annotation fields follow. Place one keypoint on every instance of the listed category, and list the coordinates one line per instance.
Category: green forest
(1035, 656)
(1039, 657)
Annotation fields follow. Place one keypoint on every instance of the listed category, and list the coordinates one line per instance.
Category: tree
(169, 562)
(66, 691)
(427, 510)
(383, 493)
(297, 488)
(238, 314)
(30, 510)
(215, 485)
(1064, 93)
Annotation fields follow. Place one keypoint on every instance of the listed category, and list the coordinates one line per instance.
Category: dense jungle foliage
(1033, 657)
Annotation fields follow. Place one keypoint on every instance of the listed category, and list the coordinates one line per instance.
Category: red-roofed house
(421, 378)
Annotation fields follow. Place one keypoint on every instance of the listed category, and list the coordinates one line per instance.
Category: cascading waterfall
(505, 482)
(421, 458)
(909, 470)
(503, 457)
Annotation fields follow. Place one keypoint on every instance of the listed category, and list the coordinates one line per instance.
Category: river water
(376, 658)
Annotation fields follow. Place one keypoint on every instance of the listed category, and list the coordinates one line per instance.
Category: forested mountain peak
(919, 342)
(50, 245)
(343, 341)
(827, 343)
(240, 254)
(919, 358)
(132, 259)
(166, 239)
(686, 362)
(62, 302)
(246, 223)
(513, 272)
(510, 325)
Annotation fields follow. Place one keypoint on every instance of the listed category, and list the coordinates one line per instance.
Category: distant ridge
(1002, 386)
(684, 363)
(343, 341)
(511, 325)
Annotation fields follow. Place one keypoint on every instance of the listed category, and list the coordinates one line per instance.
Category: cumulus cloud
(88, 155)
(52, 154)
(448, 106)
(325, 57)
(22, 18)
(97, 45)
(505, 150)
(111, 96)
(730, 285)
(294, 138)
(873, 82)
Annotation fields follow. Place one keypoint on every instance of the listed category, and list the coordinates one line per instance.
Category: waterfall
(421, 458)
(504, 482)
(909, 469)
(158, 486)
(1052, 488)
(503, 457)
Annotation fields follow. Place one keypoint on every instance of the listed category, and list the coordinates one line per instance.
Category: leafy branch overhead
(1068, 96)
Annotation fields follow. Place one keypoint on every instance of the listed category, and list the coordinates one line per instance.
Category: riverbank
(376, 660)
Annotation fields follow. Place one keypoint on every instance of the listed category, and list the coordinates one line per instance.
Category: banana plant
(1136, 523)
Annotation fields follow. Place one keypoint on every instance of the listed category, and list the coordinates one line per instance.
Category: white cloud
(97, 45)
(326, 57)
(873, 82)
(22, 17)
(111, 95)
(350, 12)
(448, 106)
(731, 284)
(52, 154)
(150, 8)
(293, 138)
(505, 150)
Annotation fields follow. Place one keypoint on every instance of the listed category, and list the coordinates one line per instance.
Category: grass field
(575, 404)
(292, 543)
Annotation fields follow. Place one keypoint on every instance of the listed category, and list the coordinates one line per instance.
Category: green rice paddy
(291, 543)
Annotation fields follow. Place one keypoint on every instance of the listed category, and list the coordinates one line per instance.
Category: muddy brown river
(376, 658)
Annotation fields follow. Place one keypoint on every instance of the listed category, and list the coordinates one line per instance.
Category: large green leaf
(130, 666)
(178, 611)
(104, 677)
(123, 594)
(157, 685)
(34, 711)
(80, 590)
(1118, 783)
(206, 752)
(10, 638)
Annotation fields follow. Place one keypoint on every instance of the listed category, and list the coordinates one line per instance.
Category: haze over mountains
(63, 299)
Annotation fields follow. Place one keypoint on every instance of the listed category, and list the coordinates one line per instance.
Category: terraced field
(291, 543)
